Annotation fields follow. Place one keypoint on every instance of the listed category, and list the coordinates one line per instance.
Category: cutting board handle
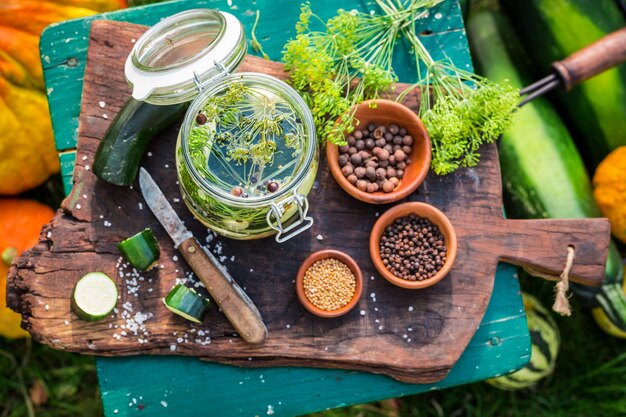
(542, 246)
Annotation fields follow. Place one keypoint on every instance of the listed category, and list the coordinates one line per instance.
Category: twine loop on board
(561, 299)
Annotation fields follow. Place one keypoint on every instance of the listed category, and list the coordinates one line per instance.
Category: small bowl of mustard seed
(413, 245)
(329, 283)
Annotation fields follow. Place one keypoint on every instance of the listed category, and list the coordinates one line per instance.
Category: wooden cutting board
(413, 336)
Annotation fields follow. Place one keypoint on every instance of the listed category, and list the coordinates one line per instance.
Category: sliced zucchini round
(187, 303)
(94, 297)
(141, 250)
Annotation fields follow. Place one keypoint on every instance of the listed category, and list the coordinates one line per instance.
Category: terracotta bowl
(318, 256)
(422, 210)
(388, 112)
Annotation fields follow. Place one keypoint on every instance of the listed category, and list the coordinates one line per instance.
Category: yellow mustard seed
(329, 284)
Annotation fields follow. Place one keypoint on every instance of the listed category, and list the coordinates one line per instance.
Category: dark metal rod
(539, 84)
(541, 91)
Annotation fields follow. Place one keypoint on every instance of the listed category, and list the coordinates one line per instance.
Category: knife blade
(232, 300)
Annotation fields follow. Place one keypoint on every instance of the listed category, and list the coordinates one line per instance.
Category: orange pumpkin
(27, 152)
(20, 224)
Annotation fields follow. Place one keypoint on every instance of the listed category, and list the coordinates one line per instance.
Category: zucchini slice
(187, 303)
(141, 250)
(94, 297)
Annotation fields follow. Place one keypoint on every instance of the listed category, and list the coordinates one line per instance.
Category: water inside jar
(247, 141)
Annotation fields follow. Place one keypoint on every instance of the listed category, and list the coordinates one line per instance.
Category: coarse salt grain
(86, 167)
(47, 307)
(320, 237)
(410, 308)
(78, 206)
(164, 404)
(102, 104)
(104, 116)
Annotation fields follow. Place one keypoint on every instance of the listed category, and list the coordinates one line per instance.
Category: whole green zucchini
(543, 174)
(124, 143)
(550, 30)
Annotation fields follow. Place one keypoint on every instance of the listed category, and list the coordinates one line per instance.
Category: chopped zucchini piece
(94, 297)
(187, 303)
(141, 250)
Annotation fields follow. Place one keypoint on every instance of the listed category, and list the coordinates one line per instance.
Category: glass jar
(246, 155)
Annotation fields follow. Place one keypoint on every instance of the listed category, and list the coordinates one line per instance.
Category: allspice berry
(272, 186)
(201, 119)
(375, 158)
(356, 159)
(359, 172)
(361, 185)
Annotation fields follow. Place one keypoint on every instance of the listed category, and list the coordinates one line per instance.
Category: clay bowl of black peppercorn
(413, 245)
(386, 156)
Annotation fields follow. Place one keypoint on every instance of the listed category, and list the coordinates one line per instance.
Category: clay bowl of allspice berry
(413, 245)
(387, 155)
(329, 283)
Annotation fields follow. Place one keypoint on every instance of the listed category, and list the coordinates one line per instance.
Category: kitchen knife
(234, 303)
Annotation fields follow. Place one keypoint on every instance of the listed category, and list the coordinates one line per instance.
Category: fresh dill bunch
(458, 124)
(350, 61)
(339, 67)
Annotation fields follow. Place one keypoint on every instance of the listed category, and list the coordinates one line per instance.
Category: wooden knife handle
(542, 245)
(593, 59)
(235, 304)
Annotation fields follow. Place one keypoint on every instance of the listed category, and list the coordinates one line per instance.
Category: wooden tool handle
(235, 304)
(542, 246)
(593, 59)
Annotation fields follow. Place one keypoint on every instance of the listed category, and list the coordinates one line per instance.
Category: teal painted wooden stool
(149, 385)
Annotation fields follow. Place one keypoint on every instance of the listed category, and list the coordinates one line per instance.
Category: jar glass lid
(170, 60)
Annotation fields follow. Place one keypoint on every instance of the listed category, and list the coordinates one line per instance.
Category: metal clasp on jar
(299, 225)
